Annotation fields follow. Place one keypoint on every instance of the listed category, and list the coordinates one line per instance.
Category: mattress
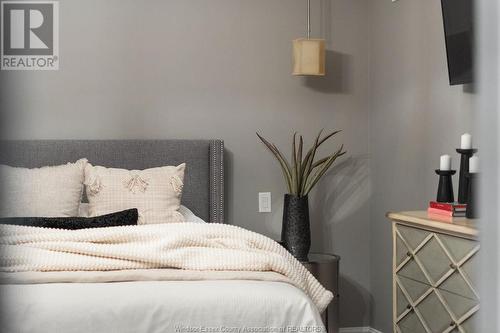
(158, 306)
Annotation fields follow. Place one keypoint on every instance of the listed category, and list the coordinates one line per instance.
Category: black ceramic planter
(295, 232)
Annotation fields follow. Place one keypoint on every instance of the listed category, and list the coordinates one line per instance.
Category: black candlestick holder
(472, 211)
(463, 181)
(445, 187)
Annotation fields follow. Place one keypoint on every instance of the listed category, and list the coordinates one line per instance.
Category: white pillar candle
(445, 163)
(466, 141)
(474, 164)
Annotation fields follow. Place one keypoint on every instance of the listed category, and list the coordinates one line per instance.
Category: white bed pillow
(51, 191)
(83, 210)
(155, 192)
(188, 215)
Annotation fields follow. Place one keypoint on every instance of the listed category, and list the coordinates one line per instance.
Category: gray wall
(415, 117)
(488, 109)
(219, 68)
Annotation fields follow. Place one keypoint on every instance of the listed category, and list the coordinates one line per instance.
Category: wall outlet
(264, 202)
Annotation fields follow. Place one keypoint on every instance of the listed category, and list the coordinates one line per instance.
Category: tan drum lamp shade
(309, 53)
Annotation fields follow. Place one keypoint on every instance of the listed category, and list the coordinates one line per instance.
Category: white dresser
(434, 282)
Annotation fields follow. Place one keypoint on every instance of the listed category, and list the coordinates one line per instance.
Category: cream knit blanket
(187, 246)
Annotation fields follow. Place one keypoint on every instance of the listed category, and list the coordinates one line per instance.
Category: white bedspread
(187, 246)
(167, 278)
(158, 306)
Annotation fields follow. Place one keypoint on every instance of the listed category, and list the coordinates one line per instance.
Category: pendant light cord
(308, 19)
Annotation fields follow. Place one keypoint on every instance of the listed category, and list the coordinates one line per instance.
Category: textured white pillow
(155, 192)
(51, 191)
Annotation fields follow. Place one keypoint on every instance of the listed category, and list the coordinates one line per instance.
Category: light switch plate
(264, 202)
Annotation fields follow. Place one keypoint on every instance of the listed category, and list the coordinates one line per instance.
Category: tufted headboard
(203, 191)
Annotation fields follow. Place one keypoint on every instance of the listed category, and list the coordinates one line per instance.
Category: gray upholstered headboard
(203, 191)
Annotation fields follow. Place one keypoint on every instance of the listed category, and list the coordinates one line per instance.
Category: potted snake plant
(301, 174)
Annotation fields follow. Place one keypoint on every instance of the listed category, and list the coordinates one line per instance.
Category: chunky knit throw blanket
(187, 246)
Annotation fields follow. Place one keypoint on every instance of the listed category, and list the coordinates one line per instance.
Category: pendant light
(309, 53)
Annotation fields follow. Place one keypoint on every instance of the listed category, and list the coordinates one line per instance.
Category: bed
(155, 300)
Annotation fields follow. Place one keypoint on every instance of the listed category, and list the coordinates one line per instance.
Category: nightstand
(435, 287)
(325, 268)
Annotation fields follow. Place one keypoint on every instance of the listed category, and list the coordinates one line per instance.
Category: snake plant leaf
(304, 163)
(321, 161)
(326, 160)
(328, 137)
(299, 164)
(286, 168)
(302, 174)
(322, 170)
(320, 142)
(301, 146)
(295, 171)
(318, 163)
(312, 152)
(308, 168)
(284, 165)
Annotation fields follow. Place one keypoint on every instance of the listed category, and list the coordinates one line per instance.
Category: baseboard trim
(358, 330)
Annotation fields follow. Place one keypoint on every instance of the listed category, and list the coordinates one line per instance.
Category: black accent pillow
(126, 217)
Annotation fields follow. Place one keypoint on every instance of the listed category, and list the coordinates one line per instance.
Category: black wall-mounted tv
(458, 31)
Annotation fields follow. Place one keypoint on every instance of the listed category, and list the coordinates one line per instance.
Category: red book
(440, 218)
(451, 207)
(435, 211)
(431, 210)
